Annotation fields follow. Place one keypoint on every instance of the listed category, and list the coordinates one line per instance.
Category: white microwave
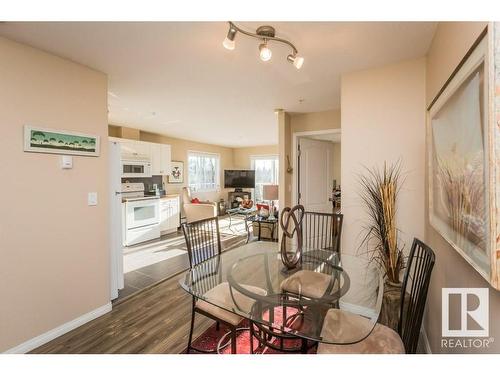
(136, 168)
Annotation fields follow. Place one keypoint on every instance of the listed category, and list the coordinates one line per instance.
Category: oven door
(142, 213)
(136, 168)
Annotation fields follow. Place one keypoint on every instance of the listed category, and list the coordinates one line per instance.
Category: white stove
(141, 214)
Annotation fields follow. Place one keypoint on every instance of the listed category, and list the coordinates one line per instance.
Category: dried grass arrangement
(463, 190)
(379, 195)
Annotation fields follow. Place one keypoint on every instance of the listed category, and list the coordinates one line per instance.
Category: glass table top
(325, 299)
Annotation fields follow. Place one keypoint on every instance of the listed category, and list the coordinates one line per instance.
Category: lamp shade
(270, 192)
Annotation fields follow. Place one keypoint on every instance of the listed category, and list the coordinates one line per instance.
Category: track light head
(296, 60)
(265, 52)
(228, 42)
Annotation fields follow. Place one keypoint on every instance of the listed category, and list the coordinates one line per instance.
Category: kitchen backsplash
(147, 181)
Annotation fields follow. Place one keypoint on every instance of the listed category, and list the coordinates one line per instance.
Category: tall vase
(391, 305)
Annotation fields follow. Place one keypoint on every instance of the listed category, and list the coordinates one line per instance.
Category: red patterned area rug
(209, 340)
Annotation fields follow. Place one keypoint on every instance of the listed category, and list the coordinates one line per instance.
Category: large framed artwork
(65, 142)
(176, 175)
(461, 176)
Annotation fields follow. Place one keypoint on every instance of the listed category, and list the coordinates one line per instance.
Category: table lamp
(270, 193)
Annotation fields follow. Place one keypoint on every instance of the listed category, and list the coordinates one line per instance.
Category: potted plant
(379, 194)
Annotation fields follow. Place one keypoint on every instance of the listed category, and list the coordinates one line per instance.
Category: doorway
(316, 184)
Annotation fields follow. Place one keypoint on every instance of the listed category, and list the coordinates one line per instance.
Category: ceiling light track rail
(265, 34)
(263, 37)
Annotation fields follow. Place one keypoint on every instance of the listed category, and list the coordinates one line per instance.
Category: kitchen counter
(146, 197)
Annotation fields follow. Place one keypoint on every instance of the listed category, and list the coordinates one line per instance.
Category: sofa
(196, 211)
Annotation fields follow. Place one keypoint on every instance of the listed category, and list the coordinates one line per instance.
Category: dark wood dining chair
(204, 245)
(383, 340)
(320, 232)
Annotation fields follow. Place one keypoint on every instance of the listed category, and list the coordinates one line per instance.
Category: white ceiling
(175, 78)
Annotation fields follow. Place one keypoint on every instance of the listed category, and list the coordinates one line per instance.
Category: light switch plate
(92, 199)
(66, 162)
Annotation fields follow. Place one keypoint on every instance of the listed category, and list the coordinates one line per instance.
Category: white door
(315, 174)
(115, 219)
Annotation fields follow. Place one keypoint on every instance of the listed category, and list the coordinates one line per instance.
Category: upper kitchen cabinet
(158, 154)
(136, 149)
(160, 159)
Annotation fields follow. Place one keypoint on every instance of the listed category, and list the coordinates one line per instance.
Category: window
(204, 171)
(266, 172)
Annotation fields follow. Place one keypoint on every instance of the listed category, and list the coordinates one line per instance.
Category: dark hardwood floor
(155, 320)
(144, 277)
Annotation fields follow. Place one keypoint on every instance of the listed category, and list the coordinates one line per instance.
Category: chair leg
(304, 346)
(284, 319)
(191, 329)
(251, 337)
(217, 326)
(233, 340)
(284, 310)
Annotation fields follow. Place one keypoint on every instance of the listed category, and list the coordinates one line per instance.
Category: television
(239, 179)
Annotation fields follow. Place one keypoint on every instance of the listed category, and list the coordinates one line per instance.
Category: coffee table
(259, 220)
(245, 212)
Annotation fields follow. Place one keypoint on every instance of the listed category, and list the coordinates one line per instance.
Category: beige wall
(241, 156)
(284, 148)
(451, 42)
(54, 254)
(337, 163)
(305, 122)
(383, 118)
(302, 122)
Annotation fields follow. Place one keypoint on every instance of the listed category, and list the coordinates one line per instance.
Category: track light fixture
(297, 61)
(265, 34)
(228, 43)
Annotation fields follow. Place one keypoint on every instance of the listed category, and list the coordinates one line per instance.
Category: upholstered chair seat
(197, 211)
(230, 298)
(308, 284)
(342, 324)
(321, 233)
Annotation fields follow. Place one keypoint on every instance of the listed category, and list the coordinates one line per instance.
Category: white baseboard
(425, 341)
(44, 338)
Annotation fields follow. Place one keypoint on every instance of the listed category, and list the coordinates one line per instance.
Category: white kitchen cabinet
(155, 159)
(160, 159)
(169, 214)
(131, 149)
(159, 154)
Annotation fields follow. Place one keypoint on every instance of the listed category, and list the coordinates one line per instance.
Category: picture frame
(460, 161)
(65, 142)
(176, 174)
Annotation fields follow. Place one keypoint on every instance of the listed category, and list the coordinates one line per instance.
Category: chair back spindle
(202, 240)
(414, 293)
(322, 231)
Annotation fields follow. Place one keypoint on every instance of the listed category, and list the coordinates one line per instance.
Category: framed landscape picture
(176, 175)
(65, 142)
(461, 194)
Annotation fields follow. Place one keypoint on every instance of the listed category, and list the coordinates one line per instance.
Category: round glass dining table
(326, 298)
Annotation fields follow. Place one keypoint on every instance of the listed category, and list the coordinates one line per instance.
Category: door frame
(115, 225)
(295, 156)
